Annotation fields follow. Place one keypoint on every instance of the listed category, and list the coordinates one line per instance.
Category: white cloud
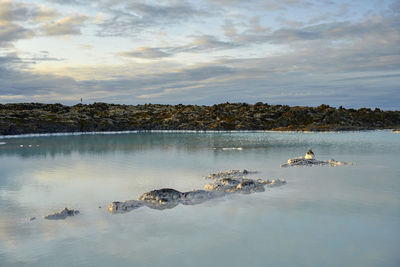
(70, 25)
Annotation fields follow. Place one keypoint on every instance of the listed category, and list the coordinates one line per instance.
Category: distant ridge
(24, 118)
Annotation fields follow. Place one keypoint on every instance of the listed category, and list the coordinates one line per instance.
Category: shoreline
(37, 118)
(31, 135)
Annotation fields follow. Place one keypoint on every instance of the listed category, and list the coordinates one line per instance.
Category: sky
(291, 52)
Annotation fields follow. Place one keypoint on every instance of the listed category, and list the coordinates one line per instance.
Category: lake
(322, 216)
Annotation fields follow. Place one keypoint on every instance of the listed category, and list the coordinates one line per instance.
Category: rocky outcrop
(62, 214)
(309, 160)
(233, 181)
(56, 118)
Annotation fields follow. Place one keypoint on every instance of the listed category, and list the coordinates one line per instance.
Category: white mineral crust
(232, 181)
(309, 160)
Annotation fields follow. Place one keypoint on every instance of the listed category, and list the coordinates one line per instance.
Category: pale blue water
(323, 216)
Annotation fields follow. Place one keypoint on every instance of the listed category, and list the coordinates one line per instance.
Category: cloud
(14, 14)
(303, 79)
(15, 11)
(200, 44)
(10, 11)
(269, 5)
(247, 53)
(206, 43)
(146, 52)
(229, 28)
(86, 46)
(11, 32)
(131, 17)
(381, 27)
(33, 87)
(72, 2)
(285, 4)
(25, 86)
(99, 18)
(70, 25)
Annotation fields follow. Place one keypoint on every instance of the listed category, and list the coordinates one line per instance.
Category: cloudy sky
(295, 52)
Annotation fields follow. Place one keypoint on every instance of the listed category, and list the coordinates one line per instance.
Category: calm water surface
(323, 216)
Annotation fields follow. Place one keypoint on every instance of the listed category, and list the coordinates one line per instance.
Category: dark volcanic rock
(161, 195)
(62, 214)
(51, 118)
(224, 183)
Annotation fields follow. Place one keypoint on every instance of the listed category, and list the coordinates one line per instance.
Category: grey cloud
(23, 86)
(71, 2)
(15, 11)
(254, 25)
(265, 4)
(19, 84)
(146, 52)
(204, 43)
(23, 83)
(171, 78)
(272, 80)
(10, 11)
(229, 28)
(284, 4)
(227, 2)
(370, 77)
(293, 23)
(177, 10)
(384, 27)
(12, 32)
(128, 18)
(395, 6)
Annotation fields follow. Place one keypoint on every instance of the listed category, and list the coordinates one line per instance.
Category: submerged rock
(196, 197)
(121, 207)
(232, 174)
(309, 160)
(232, 181)
(62, 214)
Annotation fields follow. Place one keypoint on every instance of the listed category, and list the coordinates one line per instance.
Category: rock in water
(125, 206)
(62, 214)
(224, 183)
(161, 196)
(309, 160)
(196, 197)
(233, 174)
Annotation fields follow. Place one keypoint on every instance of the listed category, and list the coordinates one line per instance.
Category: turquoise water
(323, 216)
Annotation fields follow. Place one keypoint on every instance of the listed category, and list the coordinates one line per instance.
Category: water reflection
(188, 142)
(329, 211)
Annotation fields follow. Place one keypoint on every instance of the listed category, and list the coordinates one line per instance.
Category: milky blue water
(323, 216)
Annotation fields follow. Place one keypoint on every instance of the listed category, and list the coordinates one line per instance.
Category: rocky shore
(27, 118)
